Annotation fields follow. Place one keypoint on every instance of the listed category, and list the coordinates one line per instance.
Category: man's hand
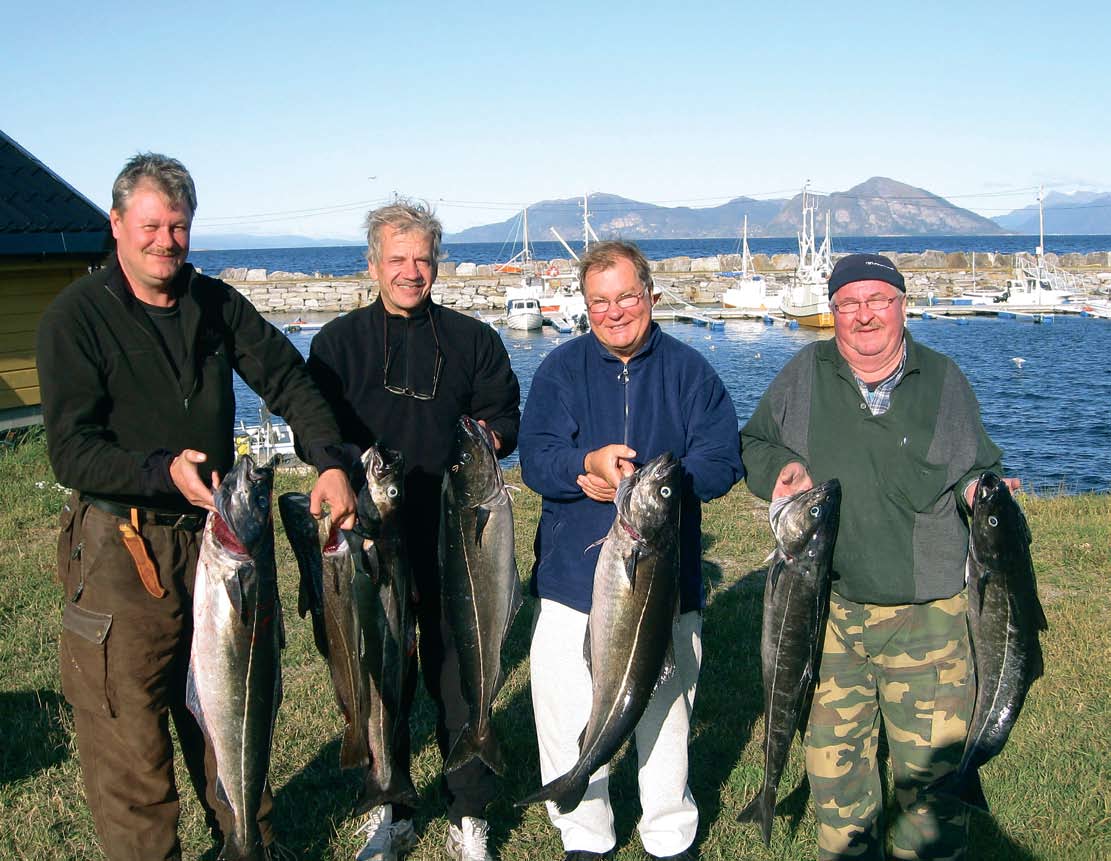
(604, 468)
(186, 476)
(596, 488)
(793, 478)
(333, 488)
(494, 436)
(1013, 484)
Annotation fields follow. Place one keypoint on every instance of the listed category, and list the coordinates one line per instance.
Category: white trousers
(561, 696)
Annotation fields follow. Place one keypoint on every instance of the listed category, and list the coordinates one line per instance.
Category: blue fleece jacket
(668, 398)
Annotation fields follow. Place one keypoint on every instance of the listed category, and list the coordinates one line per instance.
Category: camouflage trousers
(910, 663)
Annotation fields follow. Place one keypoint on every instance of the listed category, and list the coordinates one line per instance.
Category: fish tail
(470, 744)
(565, 792)
(761, 810)
(235, 849)
(354, 751)
(972, 792)
(400, 790)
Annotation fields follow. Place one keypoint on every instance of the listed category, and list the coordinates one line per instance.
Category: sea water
(1050, 412)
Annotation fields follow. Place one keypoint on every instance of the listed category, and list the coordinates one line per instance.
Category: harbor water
(1050, 411)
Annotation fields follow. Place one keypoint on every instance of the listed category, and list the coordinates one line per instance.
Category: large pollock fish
(480, 587)
(235, 684)
(634, 604)
(356, 584)
(796, 604)
(1005, 619)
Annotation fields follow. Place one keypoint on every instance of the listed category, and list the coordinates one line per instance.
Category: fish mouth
(381, 461)
(242, 502)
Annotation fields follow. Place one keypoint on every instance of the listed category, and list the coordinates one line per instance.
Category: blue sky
(296, 121)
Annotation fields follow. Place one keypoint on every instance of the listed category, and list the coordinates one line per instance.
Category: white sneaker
(468, 842)
(386, 840)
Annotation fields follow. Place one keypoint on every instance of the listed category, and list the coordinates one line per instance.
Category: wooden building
(50, 235)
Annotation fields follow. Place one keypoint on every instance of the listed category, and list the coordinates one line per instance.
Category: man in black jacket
(135, 366)
(400, 373)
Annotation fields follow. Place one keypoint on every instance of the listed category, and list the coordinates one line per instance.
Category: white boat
(522, 308)
(749, 291)
(266, 440)
(806, 298)
(1036, 282)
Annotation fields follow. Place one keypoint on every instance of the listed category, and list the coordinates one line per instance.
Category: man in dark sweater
(400, 373)
(899, 425)
(135, 365)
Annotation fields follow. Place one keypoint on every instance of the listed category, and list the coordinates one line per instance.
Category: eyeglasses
(625, 300)
(876, 303)
(408, 390)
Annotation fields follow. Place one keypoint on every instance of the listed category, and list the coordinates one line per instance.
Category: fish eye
(391, 492)
(993, 520)
(665, 492)
(815, 511)
(465, 457)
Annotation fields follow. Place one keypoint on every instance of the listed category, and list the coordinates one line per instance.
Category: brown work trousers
(124, 658)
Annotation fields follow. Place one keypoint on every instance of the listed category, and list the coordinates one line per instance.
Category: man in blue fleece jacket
(598, 406)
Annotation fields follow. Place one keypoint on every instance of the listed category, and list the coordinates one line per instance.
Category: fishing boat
(1035, 281)
(266, 440)
(749, 291)
(806, 298)
(522, 303)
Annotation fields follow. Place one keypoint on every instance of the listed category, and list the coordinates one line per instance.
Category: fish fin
(565, 792)
(193, 701)
(354, 752)
(469, 746)
(761, 810)
(668, 668)
(774, 569)
(482, 517)
(586, 649)
(982, 581)
(597, 543)
(234, 587)
(631, 567)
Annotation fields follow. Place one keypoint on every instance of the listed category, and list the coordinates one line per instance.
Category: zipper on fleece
(624, 378)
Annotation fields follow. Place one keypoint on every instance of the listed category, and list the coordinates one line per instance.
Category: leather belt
(186, 522)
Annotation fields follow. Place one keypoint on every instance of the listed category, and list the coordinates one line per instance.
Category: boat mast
(527, 258)
(744, 250)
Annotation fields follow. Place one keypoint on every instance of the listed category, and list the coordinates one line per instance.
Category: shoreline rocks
(470, 287)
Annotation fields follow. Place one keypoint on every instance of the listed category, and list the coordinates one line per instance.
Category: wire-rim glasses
(409, 391)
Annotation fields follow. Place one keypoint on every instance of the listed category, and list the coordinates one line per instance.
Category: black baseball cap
(865, 267)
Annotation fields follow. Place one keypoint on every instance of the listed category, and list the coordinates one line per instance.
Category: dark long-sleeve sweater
(348, 361)
(116, 412)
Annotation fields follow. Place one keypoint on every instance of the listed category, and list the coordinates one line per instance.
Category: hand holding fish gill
(186, 476)
(1013, 484)
(333, 488)
(793, 479)
(604, 468)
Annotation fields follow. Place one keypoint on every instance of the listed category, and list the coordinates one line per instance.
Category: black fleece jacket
(348, 358)
(115, 411)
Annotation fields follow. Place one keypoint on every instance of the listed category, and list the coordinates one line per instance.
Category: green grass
(1050, 789)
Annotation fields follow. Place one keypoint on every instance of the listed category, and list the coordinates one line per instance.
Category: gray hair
(167, 174)
(403, 216)
(605, 255)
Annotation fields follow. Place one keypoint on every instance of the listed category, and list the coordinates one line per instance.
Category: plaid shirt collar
(879, 398)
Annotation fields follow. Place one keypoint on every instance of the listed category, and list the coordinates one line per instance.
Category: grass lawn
(1050, 789)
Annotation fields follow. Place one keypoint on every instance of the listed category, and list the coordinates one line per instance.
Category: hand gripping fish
(357, 586)
(1005, 618)
(235, 683)
(796, 603)
(480, 588)
(633, 607)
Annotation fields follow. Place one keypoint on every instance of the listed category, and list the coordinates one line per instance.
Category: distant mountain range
(1083, 212)
(877, 207)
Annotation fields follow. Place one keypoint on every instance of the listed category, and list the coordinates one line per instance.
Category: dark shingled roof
(40, 213)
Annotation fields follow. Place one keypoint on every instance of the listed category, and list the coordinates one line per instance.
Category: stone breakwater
(479, 287)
